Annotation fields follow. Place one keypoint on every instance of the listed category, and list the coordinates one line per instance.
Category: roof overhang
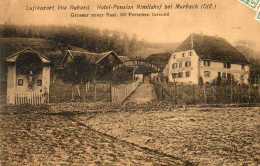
(101, 55)
(107, 54)
(12, 58)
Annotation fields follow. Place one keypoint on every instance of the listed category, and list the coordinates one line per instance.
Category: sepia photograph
(130, 82)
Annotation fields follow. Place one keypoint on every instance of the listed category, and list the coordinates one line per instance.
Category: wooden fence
(207, 94)
(89, 92)
(121, 92)
(32, 98)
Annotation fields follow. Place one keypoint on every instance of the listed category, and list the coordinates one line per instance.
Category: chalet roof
(212, 48)
(46, 48)
(124, 58)
(160, 59)
(13, 57)
(94, 58)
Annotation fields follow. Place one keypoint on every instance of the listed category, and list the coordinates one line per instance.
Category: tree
(78, 71)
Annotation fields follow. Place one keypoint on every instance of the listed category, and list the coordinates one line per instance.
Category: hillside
(89, 38)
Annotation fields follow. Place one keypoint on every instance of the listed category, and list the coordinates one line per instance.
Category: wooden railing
(32, 98)
(121, 92)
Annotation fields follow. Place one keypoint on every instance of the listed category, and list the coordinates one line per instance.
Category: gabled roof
(13, 57)
(160, 59)
(94, 58)
(50, 49)
(212, 48)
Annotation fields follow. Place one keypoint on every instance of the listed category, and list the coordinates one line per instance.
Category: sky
(230, 19)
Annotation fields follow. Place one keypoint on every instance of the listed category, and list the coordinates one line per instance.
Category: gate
(120, 93)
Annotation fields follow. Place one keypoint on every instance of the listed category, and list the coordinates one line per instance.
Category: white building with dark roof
(28, 77)
(202, 58)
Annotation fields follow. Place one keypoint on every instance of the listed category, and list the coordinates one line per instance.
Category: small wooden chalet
(28, 77)
(103, 61)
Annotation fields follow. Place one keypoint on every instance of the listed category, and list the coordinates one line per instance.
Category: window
(242, 78)
(183, 54)
(173, 56)
(229, 76)
(187, 64)
(187, 73)
(190, 53)
(206, 63)
(180, 75)
(224, 75)
(175, 65)
(206, 73)
(39, 82)
(20, 82)
(174, 75)
(227, 65)
(180, 65)
(243, 67)
(219, 74)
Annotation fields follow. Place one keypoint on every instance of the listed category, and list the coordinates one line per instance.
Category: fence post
(110, 90)
(193, 94)
(95, 91)
(72, 92)
(205, 95)
(162, 92)
(249, 94)
(175, 93)
(231, 92)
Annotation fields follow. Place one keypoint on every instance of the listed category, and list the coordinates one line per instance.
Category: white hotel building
(206, 58)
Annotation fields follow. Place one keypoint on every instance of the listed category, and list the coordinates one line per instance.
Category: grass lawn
(213, 136)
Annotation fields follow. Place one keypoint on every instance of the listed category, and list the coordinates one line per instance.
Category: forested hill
(88, 38)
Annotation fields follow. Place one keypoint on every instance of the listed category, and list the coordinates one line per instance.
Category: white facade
(187, 67)
(183, 67)
(22, 85)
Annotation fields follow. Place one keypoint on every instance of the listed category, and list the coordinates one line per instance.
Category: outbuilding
(28, 77)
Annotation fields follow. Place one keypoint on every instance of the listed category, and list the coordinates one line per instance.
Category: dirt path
(143, 94)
